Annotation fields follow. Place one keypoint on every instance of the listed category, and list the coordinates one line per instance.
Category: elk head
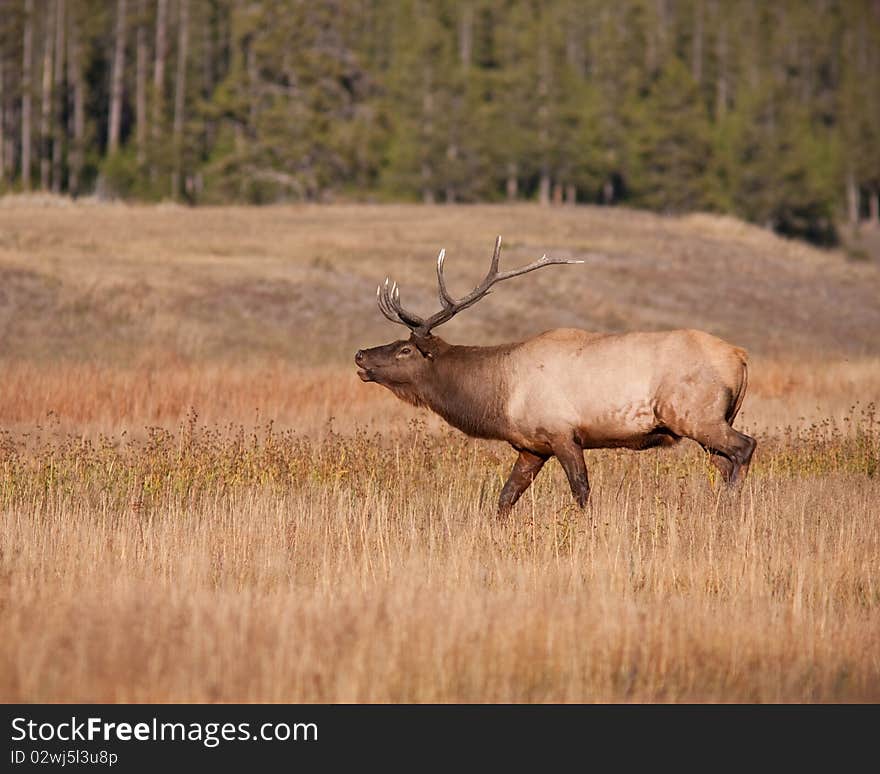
(406, 362)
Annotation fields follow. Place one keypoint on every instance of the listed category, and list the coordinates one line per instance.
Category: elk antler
(388, 294)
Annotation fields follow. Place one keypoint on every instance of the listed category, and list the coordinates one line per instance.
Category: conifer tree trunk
(451, 156)
(141, 84)
(544, 184)
(46, 103)
(11, 137)
(26, 72)
(574, 45)
(874, 208)
(697, 43)
(116, 84)
(852, 198)
(571, 194)
(544, 187)
(253, 89)
(512, 181)
(721, 88)
(208, 60)
(159, 79)
(608, 191)
(179, 96)
(466, 35)
(662, 32)
(465, 54)
(427, 191)
(427, 134)
(78, 115)
(58, 122)
(2, 125)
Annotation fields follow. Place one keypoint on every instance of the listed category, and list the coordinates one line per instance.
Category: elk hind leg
(746, 457)
(723, 464)
(730, 451)
(526, 467)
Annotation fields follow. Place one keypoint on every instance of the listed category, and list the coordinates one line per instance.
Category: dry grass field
(201, 502)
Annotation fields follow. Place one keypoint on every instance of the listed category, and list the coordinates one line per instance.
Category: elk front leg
(524, 471)
(571, 457)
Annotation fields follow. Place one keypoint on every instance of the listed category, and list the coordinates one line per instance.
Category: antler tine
(385, 303)
(384, 307)
(383, 299)
(389, 304)
(492, 274)
(541, 262)
(445, 298)
(496, 257)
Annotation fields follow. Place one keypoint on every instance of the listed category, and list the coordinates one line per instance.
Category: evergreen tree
(671, 150)
(292, 98)
(512, 112)
(776, 168)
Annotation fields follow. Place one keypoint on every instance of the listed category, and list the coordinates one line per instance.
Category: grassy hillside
(298, 283)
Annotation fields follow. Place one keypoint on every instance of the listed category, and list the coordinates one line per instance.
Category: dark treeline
(770, 110)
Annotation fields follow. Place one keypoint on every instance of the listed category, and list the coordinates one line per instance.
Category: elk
(566, 390)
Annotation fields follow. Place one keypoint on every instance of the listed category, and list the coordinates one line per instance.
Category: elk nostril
(359, 357)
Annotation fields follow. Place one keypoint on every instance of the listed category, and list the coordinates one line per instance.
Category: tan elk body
(567, 390)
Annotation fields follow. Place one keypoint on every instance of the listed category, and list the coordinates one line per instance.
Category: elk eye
(405, 351)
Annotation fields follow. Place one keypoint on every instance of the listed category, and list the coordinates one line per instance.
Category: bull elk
(566, 390)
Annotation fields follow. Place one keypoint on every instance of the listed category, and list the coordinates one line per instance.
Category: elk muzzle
(363, 371)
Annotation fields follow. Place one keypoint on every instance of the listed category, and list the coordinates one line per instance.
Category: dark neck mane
(468, 389)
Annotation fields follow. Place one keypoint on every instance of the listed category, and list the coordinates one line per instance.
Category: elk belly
(631, 427)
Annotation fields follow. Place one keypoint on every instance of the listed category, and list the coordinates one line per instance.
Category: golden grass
(257, 565)
(306, 537)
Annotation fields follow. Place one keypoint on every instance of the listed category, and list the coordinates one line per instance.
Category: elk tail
(743, 358)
